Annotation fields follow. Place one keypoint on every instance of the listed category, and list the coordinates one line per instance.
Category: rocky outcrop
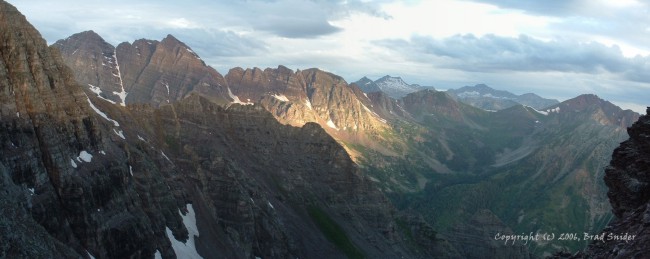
(627, 178)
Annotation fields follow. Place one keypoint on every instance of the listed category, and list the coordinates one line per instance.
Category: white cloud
(181, 23)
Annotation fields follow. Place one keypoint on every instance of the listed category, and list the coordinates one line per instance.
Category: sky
(554, 48)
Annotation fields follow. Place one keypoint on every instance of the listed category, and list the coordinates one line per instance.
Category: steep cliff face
(627, 178)
(144, 71)
(311, 95)
(94, 63)
(63, 156)
(171, 72)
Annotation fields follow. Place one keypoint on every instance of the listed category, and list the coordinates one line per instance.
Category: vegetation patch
(333, 232)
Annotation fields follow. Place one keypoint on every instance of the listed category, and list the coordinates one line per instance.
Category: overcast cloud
(555, 48)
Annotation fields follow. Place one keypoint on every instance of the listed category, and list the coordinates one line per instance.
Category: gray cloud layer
(547, 7)
(285, 18)
(492, 53)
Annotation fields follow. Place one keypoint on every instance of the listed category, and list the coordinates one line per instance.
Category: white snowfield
(187, 249)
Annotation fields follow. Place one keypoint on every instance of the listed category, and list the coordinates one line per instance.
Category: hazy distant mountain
(393, 86)
(484, 97)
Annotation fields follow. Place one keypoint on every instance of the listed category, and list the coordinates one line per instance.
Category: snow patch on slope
(123, 93)
(540, 112)
(281, 97)
(98, 92)
(163, 154)
(331, 124)
(188, 248)
(236, 99)
(83, 156)
(166, 86)
(374, 114)
(119, 133)
(101, 113)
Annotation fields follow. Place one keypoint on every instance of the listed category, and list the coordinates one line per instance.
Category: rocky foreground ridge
(627, 178)
(84, 174)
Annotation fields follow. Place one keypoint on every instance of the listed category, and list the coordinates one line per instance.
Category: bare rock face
(251, 84)
(311, 95)
(627, 176)
(48, 131)
(333, 100)
(387, 107)
(170, 73)
(94, 63)
(144, 71)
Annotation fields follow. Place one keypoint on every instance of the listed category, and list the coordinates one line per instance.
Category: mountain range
(426, 144)
(92, 175)
(484, 97)
(143, 150)
(394, 87)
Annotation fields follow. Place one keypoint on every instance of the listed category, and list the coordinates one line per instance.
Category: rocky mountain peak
(593, 107)
(429, 102)
(171, 39)
(365, 79)
(89, 36)
(145, 71)
(391, 82)
(391, 78)
(393, 86)
(586, 101)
